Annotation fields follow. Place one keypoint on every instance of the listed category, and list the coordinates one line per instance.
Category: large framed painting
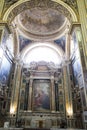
(41, 95)
(5, 71)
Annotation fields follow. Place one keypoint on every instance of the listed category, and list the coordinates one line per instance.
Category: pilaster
(16, 88)
(83, 67)
(1, 7)
(86, 6)
(68, 95)
(65, 83)
(67, 46)
(83, 21)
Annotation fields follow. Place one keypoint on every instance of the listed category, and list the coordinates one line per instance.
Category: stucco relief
(71, 3)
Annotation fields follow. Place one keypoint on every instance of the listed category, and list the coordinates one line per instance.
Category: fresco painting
(76, 63)
(61, 42)
(5, 71)
(23, 42)
(5, 36)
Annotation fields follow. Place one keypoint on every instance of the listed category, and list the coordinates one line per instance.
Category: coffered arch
(21, 5)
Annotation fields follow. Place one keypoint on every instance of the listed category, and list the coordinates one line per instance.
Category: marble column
(56, 96)
(30, 95)
(52, 94)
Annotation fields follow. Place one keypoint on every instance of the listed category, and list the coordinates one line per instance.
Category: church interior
(43, 64)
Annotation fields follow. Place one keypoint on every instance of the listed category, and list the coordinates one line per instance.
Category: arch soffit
(21, 5)
(53, 46)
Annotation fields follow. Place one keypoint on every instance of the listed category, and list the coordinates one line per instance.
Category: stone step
(35, 129)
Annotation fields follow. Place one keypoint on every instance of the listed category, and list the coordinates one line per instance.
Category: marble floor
(42, 129)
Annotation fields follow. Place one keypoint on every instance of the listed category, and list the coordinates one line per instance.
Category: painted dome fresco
(42, 21)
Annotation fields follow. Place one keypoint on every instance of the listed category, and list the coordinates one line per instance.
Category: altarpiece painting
(41, 95)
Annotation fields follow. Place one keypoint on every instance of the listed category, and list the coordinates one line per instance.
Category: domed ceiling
(41, 22)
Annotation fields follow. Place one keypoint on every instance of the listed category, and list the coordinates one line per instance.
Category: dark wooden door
(40, 124)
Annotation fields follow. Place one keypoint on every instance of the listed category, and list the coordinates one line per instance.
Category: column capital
(56, 81)
(73, 26)
(66, 62)
(18, 60)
